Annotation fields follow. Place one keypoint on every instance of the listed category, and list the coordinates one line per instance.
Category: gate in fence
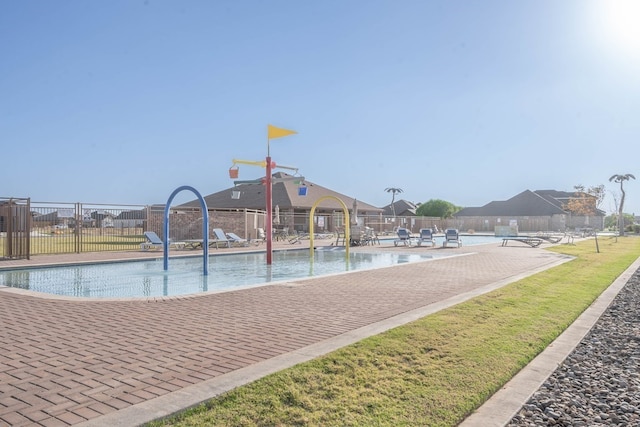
(15, 223)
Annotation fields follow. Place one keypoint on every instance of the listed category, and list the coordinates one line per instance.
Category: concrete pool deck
(65, 361)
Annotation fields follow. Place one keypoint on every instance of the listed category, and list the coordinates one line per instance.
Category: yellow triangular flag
(274, 132)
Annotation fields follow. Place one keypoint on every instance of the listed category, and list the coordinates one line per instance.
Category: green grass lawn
(431, 372)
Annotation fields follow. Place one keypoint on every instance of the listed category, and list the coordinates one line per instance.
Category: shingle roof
(561, 198)
(51, 216)
(284, 194)
(136, 214)
(401, 207)
(527, 203)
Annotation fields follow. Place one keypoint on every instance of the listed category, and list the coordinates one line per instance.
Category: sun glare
(618, 22)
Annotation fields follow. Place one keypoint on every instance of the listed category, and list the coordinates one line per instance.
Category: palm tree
(621, 179)
(393, 191)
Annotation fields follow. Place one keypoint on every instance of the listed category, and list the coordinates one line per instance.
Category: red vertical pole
(268, 225)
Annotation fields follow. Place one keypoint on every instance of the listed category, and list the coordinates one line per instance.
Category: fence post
(77, 232)
(28, 228)
(10, 229)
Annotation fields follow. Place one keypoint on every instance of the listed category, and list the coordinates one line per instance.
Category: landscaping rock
(599, 383)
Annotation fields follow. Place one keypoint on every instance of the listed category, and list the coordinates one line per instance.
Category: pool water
(148, 279)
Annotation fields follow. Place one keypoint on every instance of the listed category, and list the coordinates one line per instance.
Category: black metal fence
(37, 228)
(53, 228)
(40, 228)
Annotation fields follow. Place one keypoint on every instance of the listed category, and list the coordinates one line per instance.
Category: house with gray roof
(293, 208)
(400, 208)
(130, 219)
(531, 211)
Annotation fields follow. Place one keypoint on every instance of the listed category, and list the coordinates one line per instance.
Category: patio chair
(220, 237)
(370, 237)
(281, 234)
(261, 236)
(237, 240)
(357, 236)
(426, 237)
(193, 243)
(404, 237)
(340, 236)
(155, 242)
(451, 236)
(294, 238)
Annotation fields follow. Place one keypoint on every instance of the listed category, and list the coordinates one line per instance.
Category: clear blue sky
(122, 101)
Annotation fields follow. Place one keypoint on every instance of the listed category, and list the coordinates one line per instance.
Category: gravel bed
(599, 383)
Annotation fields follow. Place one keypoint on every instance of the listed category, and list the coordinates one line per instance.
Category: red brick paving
(65, 361)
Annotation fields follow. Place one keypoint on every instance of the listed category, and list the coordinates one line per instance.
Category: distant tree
(586, 201)
(621, 179)
(437, 208)
(611, 221)
(393, 191)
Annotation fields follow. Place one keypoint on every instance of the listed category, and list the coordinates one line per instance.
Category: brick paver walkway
(65, 361)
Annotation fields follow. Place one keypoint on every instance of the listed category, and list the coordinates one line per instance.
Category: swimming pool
(148, 279)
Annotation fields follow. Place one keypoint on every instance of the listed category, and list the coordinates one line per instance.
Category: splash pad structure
(205, 228)
(272, 133)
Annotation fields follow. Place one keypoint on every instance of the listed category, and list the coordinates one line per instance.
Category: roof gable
(136, 214)
(400, 207)
(527, 203)
(284, 194)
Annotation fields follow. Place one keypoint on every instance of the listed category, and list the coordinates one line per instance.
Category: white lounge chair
(220, 237)
(426, 237)
(237, 240)
(451, 237)
(404, 237)
(155, 242)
